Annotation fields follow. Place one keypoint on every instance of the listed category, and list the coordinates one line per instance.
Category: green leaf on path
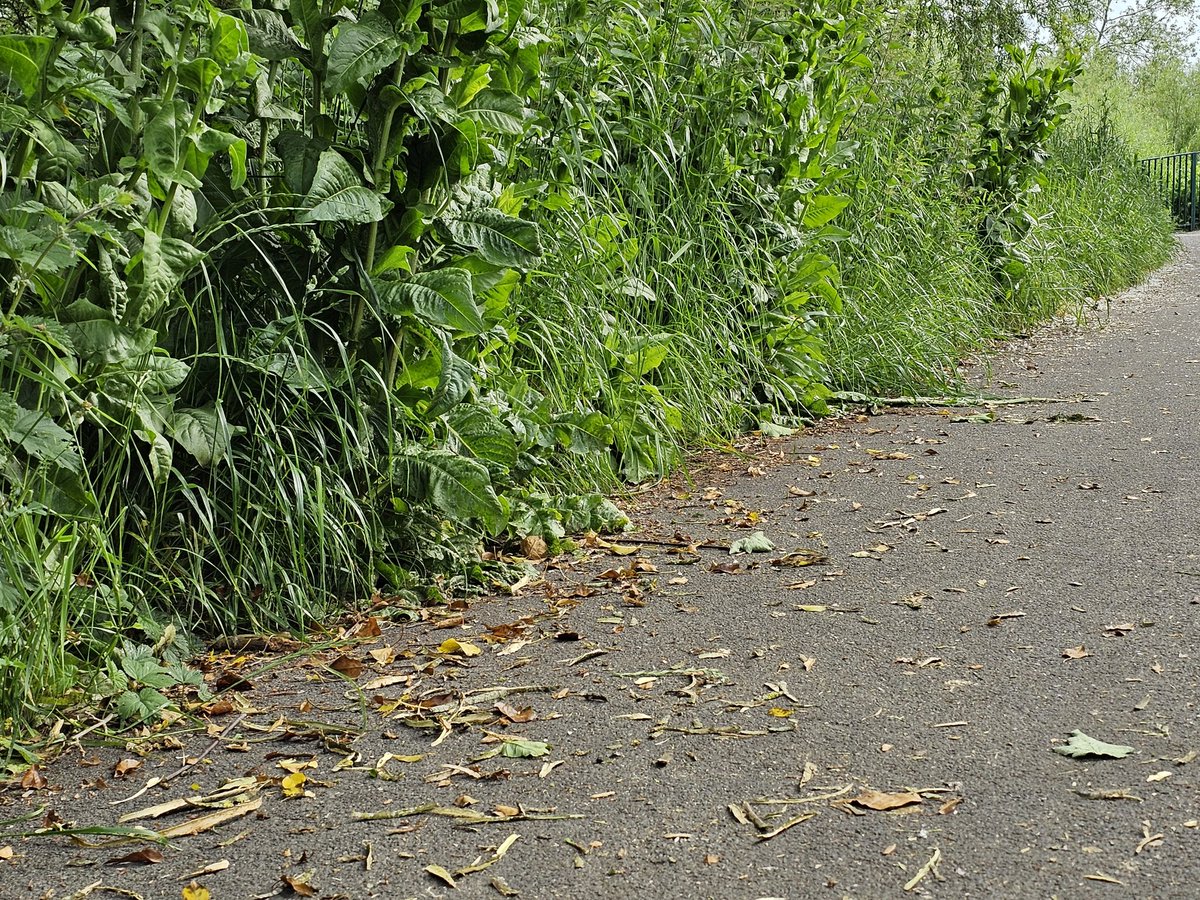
(1080, 745)
(756, 543)
(516, 748)
(771, 430)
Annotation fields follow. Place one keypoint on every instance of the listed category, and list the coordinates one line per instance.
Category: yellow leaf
(466, 648)
(293, 785)
(623, 549)
(195, 891)
(779, 712)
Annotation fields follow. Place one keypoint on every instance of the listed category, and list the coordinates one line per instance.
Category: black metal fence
(1175, 177)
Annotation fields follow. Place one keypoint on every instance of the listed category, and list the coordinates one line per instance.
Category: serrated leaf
(1080, 745)
(145, 669)
(500, 239)
(137, 707)
(337, 194)
(771, 430)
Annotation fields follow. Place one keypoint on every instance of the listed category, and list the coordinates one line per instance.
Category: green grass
(687, 162)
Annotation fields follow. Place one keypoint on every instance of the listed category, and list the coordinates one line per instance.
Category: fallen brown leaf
(348, 666)
(145, 856)
(882, 801)
(125, 766)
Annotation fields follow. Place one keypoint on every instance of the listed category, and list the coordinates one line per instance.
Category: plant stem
(380, 172)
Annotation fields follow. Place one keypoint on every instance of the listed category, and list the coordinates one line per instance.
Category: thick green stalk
(134, 81)
(381, 173)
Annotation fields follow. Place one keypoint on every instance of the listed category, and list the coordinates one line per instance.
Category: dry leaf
(6, 852)
(442, 873)
(300, 885)
(384, 656)
(348, 666)
(501, 887)
(211, 869)
(623, 550)
(125, 766)
(881, 801)
(1076, 652)
(517, 716)
(534, 547)
(1158, 776)
(211, 820)
(145, 856)
(369, 628)
(33, 779)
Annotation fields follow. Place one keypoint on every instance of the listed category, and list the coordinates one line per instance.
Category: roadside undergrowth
(308, 305)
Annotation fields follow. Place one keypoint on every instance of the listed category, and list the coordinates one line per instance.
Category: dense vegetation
(305, 299)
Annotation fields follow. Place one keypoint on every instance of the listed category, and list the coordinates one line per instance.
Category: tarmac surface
(870, 709)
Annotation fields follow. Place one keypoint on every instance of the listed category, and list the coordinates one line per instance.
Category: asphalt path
(869, 709)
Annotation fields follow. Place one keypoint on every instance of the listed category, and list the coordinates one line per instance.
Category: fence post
(1192, 202)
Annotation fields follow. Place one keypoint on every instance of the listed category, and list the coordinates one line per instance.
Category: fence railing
(1175, 177)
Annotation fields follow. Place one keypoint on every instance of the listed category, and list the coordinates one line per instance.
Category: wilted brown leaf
(517, 716)
(368, 628)
(1076, 652)
(882, 801)
(145, 856)
(348, 666)
(125, 766)
(33, 779)
(299, 885)
(383, 656)
(534, 547)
